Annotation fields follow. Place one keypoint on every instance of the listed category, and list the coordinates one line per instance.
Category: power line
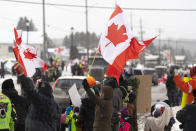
(101, 7)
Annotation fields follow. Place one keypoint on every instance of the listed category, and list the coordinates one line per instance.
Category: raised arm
(184, 86)
(91, 95)
(27, 85)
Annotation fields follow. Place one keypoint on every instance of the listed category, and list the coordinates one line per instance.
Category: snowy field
(158, 93)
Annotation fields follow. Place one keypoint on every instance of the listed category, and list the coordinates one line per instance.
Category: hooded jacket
(116, 100)
(103, 109)
(44, 113)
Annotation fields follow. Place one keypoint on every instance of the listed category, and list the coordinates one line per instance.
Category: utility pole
(131, 21)
(159, 46)
(141, 30)
(115, 3)
(176, 47)
(87, 44)
(176, 51)
(141, 35)
(44, 33)
(169, 50)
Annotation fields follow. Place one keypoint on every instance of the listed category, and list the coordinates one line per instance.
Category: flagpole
(89, 71)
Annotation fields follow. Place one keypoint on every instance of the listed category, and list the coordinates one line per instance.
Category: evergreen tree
(74, 53)
(22, 24)
(80, 40)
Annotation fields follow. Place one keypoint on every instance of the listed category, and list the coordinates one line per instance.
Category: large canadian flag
(117, 44)
(27, 56)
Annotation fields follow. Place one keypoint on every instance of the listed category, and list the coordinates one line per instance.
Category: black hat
(45, 88)
(110, 81)
(8, 84)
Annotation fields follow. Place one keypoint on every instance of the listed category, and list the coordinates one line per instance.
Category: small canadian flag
(117, 44)
(27, 56)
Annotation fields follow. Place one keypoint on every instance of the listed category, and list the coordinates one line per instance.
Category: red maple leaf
(29, 55)
(116, 35)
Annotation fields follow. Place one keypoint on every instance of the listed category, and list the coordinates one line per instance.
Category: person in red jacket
(187, 87)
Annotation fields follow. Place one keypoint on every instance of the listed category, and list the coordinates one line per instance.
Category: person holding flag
(117, 44)
(27, 56)
(44, 113)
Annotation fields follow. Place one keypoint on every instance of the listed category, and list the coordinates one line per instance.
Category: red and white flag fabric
(27, 56)
(18, 36)
(117, 44)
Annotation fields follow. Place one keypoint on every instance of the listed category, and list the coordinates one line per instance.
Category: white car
(61, 87)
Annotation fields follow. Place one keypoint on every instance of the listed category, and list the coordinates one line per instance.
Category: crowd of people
(110, 106)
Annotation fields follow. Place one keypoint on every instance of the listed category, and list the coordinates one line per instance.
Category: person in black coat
(187, 116)
(44, 113)
(86, 114)
(171, 89)
(20, 103)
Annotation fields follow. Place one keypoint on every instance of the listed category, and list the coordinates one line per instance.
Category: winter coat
(186, 87)
(44, 113)
(103, 109)
(187, 116)
(86, 115)
(159, 123)
(117, 105)
(21, 105)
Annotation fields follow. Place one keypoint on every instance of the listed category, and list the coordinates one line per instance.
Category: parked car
(138, 71)
(61, 87)
(161, 70)
(151, 71)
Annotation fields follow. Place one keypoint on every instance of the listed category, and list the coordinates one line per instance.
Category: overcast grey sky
(59, 20)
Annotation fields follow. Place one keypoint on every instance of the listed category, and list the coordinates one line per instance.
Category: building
(35, 39)
(180, 59)
(151, 60)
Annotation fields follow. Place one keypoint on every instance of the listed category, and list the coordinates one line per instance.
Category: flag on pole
(117, 44)
(27, 56)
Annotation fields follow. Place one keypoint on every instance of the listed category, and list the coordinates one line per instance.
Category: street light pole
(71, 48)
(27, 24)
(72, 36)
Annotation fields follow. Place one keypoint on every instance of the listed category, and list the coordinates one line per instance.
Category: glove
(19, 69)
(176, 72)
(181, 126)
(171, 122)
(85, 84)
